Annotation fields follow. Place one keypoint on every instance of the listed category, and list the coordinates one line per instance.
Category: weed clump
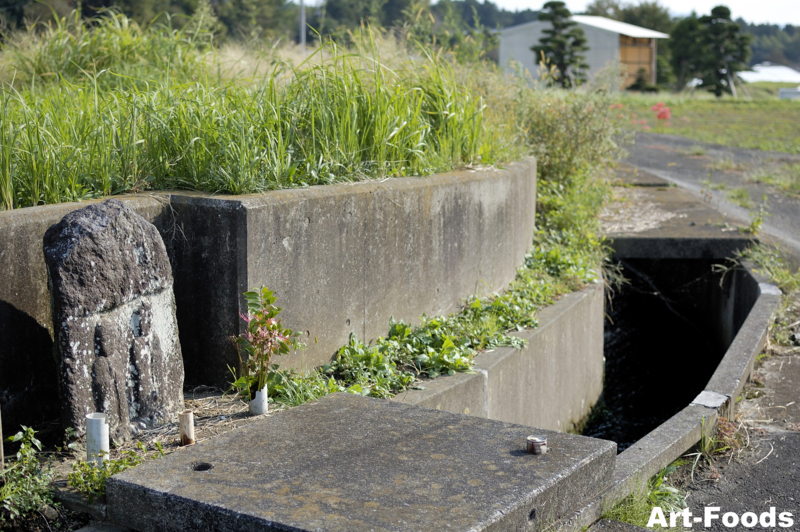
(637, 507)
(90, 479)
(25, 483)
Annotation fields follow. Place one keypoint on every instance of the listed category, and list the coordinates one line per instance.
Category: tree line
(276, 18)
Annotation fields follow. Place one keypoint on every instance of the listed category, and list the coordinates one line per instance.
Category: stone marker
(352, 463)
(116, 336)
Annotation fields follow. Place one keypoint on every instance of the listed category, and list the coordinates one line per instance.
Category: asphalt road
(669, 157)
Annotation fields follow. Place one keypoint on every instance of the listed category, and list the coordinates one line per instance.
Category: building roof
(603, 23)
(771, 73)
(619, 27)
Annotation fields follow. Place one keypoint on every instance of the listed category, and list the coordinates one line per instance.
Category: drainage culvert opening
(665, 332)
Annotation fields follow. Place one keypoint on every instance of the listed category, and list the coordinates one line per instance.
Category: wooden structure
(608, 41)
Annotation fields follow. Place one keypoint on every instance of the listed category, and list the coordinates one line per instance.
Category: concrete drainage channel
(702, 315)
(353, 463)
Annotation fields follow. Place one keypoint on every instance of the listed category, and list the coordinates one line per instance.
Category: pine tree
(686, 49)
(726, 51)
(562, 45)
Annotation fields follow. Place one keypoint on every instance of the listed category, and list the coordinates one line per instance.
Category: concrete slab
(556, 380)
(696, 231)
(76, 501)
(354, 463)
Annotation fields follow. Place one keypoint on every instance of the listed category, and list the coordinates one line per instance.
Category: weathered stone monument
(116, 336)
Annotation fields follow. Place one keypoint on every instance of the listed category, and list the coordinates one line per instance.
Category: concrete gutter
(670, 440)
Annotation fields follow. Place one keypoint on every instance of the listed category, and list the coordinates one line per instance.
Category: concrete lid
(351, 463)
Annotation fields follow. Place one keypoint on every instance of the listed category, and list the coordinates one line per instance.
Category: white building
(608, 40)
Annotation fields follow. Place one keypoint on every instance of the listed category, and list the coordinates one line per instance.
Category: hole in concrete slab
(665, 334)
(532, 515)
(201, 466)
(348, 323)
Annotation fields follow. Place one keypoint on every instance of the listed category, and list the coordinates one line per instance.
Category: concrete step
(351, 463)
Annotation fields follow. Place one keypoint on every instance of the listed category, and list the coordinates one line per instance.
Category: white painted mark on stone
(769, 289)
(710, 399)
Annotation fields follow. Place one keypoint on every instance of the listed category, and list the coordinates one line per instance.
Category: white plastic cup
(259, 405)
(96, 438)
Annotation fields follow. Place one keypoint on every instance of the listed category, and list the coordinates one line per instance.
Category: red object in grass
(657, 107)
(664, 114)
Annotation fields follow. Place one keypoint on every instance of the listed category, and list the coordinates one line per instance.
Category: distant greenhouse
(770, 73)
(767, 72)
(608, 40)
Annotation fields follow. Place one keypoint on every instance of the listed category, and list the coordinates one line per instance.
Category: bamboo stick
(187, 427)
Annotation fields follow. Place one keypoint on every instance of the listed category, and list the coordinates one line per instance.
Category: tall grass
(72, 49)
(92, 109)
(340, 115)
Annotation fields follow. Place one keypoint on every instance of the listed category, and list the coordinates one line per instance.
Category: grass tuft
(741, 197)
(785, 177)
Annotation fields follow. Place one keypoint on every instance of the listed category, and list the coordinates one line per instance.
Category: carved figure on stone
(116, 335)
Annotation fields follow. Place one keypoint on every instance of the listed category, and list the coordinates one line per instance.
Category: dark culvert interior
(666, 331)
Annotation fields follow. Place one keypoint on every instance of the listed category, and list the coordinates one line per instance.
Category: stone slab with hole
(352, 463)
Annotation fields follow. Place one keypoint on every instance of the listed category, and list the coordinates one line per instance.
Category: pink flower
(657, 107)
(664, 114)
(646, 127)
(633, 115)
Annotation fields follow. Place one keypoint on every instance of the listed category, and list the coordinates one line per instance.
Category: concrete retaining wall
(551, 384)
(341, 259)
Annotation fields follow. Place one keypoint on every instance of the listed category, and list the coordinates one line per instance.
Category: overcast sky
(760, 11)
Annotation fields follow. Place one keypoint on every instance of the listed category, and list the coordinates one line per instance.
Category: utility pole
(303, 24)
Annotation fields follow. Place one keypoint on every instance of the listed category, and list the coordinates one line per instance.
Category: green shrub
(570, 132)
